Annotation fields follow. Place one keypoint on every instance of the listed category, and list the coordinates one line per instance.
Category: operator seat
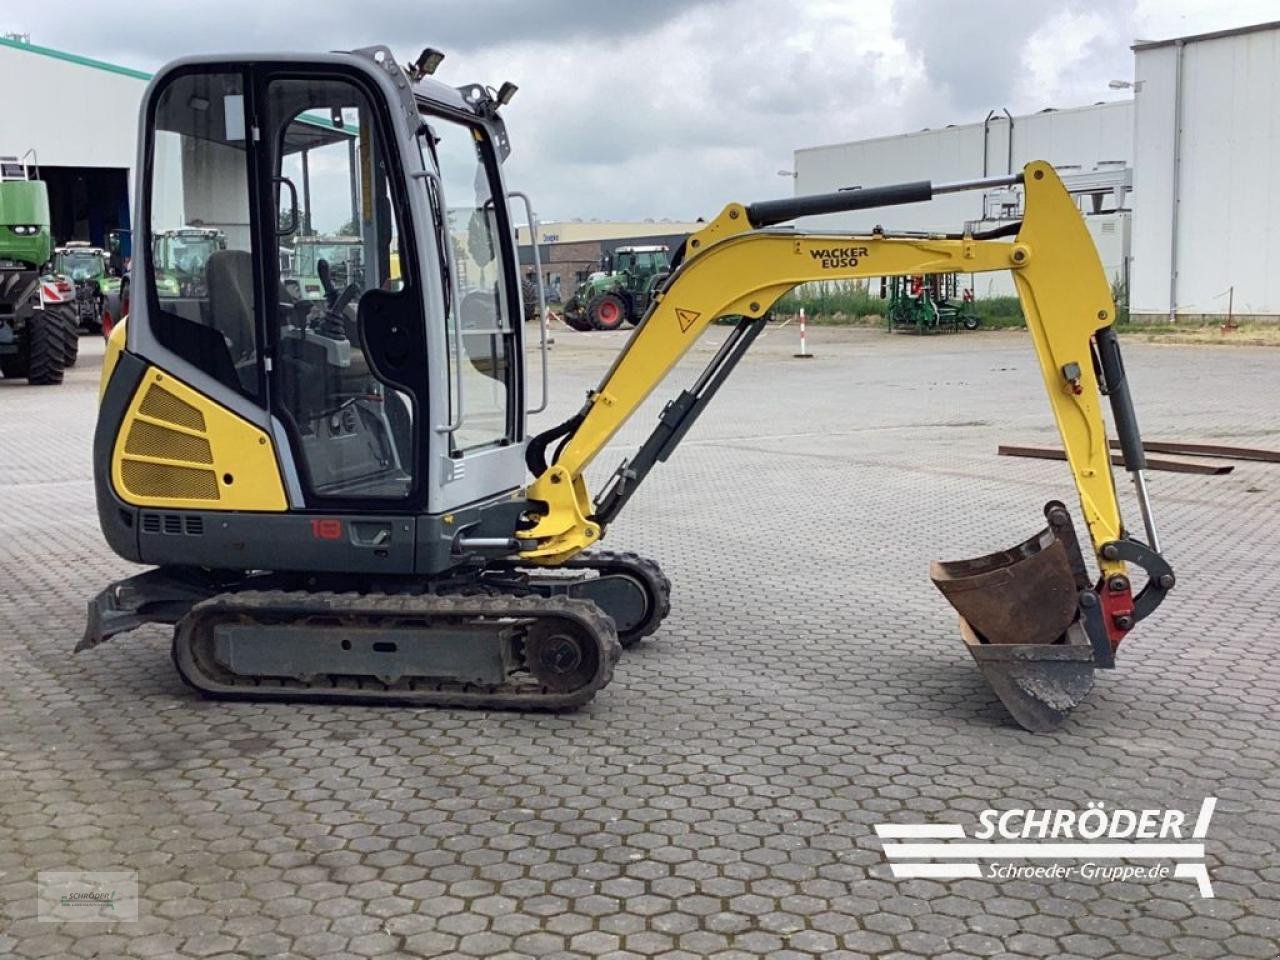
(229, 274)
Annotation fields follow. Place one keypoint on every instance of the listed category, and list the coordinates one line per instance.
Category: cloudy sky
(670, 108)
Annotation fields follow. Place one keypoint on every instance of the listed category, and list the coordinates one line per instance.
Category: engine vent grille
(191, 524)
(152, 440)
(164, 481)
(160, 404)
(167, 455)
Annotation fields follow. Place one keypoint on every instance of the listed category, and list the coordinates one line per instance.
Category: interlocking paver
(718, 799)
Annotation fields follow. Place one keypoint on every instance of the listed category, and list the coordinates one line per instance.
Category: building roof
(1124, 103)
(74, 58)
(1215, 35)
(333, 134)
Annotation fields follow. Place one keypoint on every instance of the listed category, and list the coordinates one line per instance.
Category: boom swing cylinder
(1031, 616)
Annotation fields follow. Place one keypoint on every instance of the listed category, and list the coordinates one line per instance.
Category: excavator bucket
(1026, 615)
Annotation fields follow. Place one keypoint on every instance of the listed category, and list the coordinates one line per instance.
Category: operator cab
(640, 261)
(383, 364)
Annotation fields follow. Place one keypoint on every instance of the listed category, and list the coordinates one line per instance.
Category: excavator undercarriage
(335, 493)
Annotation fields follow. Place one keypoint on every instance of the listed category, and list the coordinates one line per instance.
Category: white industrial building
(80, 127)
(1207, 151)
(80, 135)
(1092, 147)
(1191, 216)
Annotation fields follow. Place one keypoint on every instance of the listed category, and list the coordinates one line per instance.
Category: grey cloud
(971, 50)
(977, 53)
(154, 32)
(662, 108)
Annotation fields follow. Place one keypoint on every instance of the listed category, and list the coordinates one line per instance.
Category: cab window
(356, 432)
(199, 244)
(461, 154)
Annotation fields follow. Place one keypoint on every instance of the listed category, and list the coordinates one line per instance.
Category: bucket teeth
(1020, 618)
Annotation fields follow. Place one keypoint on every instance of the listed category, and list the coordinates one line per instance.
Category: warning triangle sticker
(686, 318)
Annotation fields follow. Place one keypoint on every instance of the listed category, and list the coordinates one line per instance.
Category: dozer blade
(1021, 619)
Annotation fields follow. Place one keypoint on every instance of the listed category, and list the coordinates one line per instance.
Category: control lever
(334, 322)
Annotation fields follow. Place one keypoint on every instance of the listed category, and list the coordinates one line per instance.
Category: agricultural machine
(180, 257)
(87, 268)
(607, 300)
(928, 304)
(38, 318)
(343, 254)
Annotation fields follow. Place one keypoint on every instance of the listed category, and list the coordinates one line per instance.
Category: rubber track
(528, 695)
(632, 564)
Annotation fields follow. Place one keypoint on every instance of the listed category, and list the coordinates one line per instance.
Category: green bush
(833, 301)
(999, 312)
(858, 301)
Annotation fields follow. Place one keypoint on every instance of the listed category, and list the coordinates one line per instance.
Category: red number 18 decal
(326, 529)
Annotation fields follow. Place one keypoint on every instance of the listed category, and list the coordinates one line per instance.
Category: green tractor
(928, 304)
(344, 255)
(621, 293)
(179, 259)
(38, 321)
(87, 267)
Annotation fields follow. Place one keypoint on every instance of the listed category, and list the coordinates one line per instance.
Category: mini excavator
(336, 494)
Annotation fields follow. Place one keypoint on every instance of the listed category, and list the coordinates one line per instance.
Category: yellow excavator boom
(733, 269)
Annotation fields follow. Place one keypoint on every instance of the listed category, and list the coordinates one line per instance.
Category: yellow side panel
(115, 344)
(178, 449)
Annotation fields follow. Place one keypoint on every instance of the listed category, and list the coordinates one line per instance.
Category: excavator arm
(737, 266)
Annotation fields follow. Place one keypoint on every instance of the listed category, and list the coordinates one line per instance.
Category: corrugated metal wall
(74, 115)
(1081, 136)
(1228, 197)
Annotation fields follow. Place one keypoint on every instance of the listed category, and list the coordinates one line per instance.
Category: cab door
(346, 327)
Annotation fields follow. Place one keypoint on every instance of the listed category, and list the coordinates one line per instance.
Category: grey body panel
(277, 541)
(390, 545)
(474, 476)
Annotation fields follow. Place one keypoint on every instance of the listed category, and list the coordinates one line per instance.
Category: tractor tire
(70, 339)
(45, 348)
(529, 294)
(71, 330)
(970, 322)
(608, 311)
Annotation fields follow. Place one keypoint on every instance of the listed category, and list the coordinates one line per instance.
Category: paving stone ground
(718, 799)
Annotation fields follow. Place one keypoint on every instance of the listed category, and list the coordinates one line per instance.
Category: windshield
(81, 266)
(475, 273)
(185, 255)
(344, 258)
